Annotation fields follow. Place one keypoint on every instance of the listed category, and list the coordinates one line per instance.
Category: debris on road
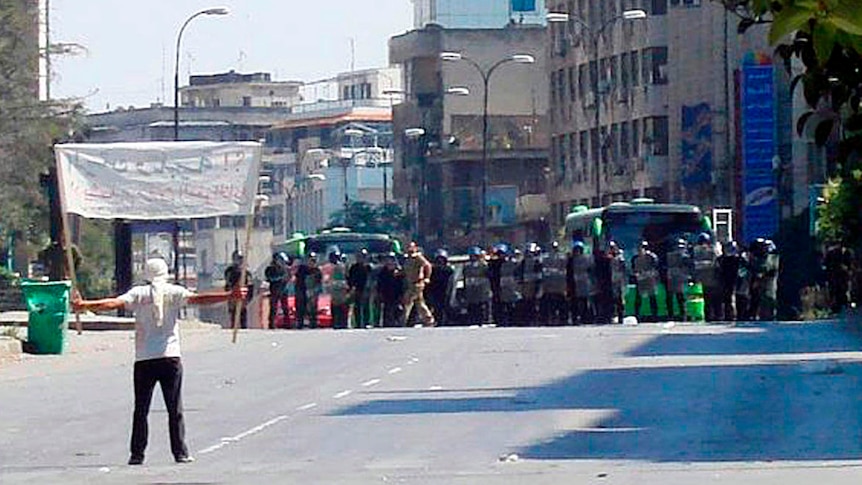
(510, 458)
(396, 338)
(630, 321)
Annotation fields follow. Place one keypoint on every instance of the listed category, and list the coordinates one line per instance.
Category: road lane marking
(435, 388)
(395, 370)
(307, 407)
(245, 434)
(342, 394)
(372, 382)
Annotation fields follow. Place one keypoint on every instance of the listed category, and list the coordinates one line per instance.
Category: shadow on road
(752, 339)
(690, 412)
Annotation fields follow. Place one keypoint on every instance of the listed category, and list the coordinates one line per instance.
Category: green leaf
(847, 16)
(824, 41)
(789, 20)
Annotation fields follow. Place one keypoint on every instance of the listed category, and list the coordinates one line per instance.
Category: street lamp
(595, 34)
(209, 11)
(486, 75)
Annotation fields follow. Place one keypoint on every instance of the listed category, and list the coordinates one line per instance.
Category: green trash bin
(695, 305)
(48, 306)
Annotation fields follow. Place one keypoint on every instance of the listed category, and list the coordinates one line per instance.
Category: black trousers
(167, 372)
(279, 300)
(361, 309)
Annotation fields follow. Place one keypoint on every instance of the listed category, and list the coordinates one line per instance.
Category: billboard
(523, 6)
(696, 141)
(760, 192)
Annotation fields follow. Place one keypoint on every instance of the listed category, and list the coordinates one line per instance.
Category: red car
(324, 313)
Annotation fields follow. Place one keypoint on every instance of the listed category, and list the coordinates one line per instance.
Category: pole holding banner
(249, 227)
(67, 244)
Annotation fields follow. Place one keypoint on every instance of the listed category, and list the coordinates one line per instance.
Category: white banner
(158, 180)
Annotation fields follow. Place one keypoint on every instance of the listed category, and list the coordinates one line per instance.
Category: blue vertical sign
(760, 211)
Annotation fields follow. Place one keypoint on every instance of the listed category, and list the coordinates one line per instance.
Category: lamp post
(594, 34)
(486, 75)
(209, 11)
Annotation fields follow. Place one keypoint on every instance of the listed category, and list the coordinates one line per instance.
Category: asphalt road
(752, 404)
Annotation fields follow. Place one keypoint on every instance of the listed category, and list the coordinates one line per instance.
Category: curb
(9, 347)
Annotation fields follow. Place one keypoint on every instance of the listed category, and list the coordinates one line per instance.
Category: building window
(636, 138)
(654, 65)
(561, 85)
(246, 101)
(594, 145)
(582, 81)
(346, 93)
(625, 140)
(635, 68)
(614, 143)
(625, 65)
(573, 92)
(573, 150)
(584, 146)
(656, 128)
(594, 76)
(658, 7)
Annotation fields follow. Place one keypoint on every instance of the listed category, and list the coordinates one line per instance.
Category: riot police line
(530, 286)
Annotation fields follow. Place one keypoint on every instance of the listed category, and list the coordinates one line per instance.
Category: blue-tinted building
(478, 14)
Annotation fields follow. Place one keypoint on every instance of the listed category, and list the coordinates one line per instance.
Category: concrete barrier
(9, 347)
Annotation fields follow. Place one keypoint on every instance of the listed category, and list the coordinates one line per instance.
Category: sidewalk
(90, 322)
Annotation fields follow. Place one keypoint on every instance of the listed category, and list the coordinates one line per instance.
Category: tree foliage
(27, 126)
(825, 36)
(365, 217)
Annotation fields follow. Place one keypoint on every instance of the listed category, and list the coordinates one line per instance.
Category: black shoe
(184, 459)
(136, 460)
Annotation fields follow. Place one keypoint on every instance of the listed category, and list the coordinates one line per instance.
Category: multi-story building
(439, 173)
(233, 89)
(648, 99)
(477, 14)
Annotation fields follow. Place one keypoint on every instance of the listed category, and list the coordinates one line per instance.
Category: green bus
(627, 224)
(346, 241)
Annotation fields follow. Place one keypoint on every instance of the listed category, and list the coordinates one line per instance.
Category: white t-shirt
(151, 341)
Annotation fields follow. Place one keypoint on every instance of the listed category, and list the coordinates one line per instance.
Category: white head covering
(156, 273)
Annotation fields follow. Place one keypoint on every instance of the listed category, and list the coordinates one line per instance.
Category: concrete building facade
(669, 99)
(438, 176)
(232, 89)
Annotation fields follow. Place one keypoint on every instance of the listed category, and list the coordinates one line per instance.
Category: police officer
(357, 282)
(645, 269)
(495, 265)
(277, 274)
(417, 274)
(510, 294)
(769, 298)
(680, 268)
(477, 287)
(553, 304)
(742, 292)
(390, 291)
(439, 289)
(838, 264)
(530, 280)
(706, 273)
(578, 274)
(762, 269)
(232, 280)
(339, 292)
(728, 276)
(619, 279)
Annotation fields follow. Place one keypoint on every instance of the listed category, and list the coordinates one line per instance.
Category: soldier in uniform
(554, 307)
(680, 268)
(759, 278)
(358, 282)
(705, 272)
(764, 285)
(619, 279)
(278, 276)
(417, 274)
(742, 291)
(339, 292)
(646, 272)
(439, 289)
(477, 287)
(495, 264)
(313, 287)
(578, 275)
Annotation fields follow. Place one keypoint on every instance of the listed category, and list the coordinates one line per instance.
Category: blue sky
(130, 44)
